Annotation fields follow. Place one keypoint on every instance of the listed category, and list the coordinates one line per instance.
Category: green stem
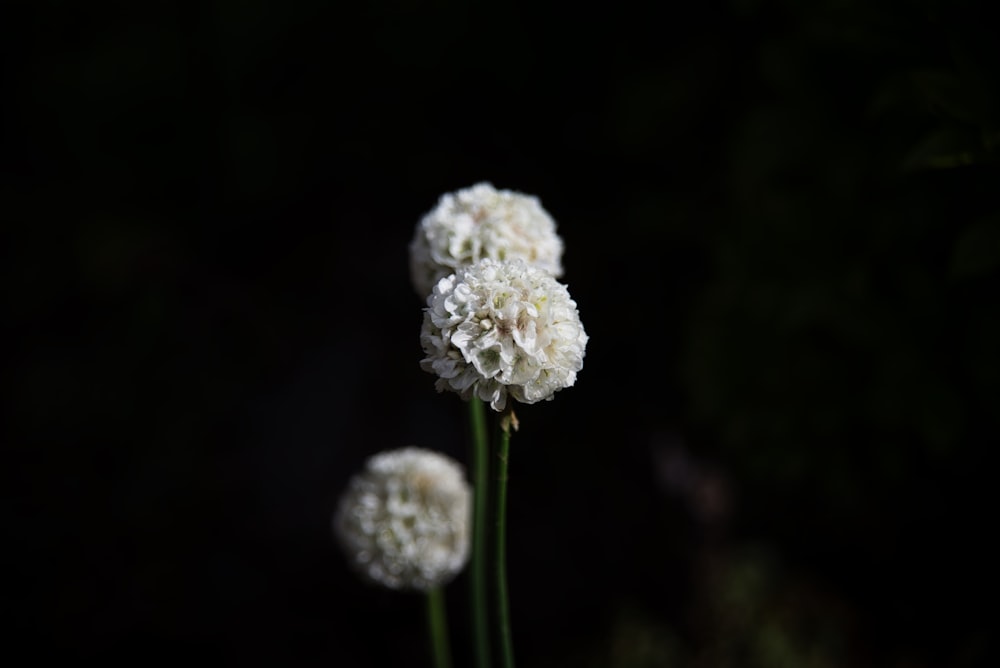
(480, 490)
(437, 626)
(500, 508)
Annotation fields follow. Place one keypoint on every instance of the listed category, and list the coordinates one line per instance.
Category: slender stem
(500, 508)
(437, 626)
(480, 490)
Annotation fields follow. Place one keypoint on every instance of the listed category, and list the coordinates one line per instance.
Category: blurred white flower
(498, 328)
(481, 222)
(404, 520)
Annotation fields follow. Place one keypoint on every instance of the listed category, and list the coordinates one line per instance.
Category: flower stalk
(480, 526)
(437, 627)
(507, 422)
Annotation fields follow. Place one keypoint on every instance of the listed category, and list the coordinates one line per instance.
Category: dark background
(782, 231)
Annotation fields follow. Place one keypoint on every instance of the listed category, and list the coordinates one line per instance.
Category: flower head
(481, 222)
(404, 520)
(498, 328)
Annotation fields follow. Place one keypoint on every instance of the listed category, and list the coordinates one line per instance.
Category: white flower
(481, 222)
(404, 520)
(499, 328)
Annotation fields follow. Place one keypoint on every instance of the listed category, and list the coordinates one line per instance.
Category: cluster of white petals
(482, 222)
(498, 328)
(404, 520)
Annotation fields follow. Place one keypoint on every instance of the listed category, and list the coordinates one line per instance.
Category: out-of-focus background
(782, 231)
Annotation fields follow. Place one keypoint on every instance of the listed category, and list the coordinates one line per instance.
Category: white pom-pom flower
(404, 520)
(498, 328)
(482, 222)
